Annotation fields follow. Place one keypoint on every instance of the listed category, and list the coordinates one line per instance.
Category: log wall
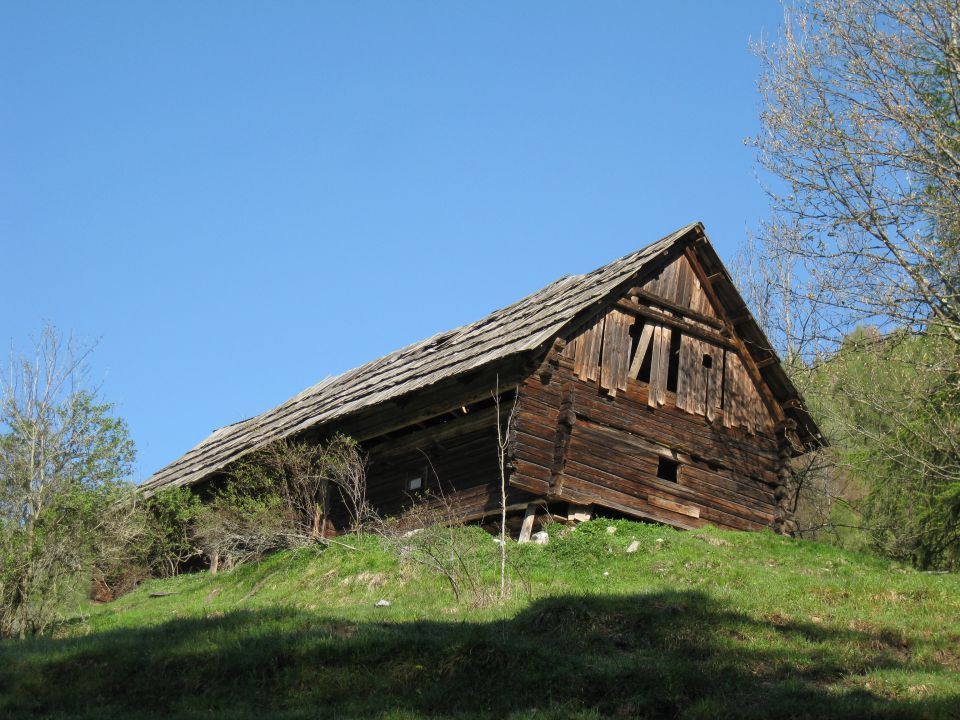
(650, 410)
(458, 460)
(573, 442)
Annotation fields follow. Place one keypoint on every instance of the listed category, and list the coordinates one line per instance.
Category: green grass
(692, 625)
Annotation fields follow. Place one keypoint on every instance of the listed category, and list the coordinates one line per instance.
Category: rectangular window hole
(413, 484)
(673, 368)
(708, 361)
(667, 469)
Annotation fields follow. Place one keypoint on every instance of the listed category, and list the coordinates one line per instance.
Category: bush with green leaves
(281, 497)
(245, 519)
(172, 514)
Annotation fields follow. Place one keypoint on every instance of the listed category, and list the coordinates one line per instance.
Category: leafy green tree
(894, 420)
(67, 515)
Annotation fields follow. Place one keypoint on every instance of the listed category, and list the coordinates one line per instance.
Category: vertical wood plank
(660, 366)
(685, 280)
(587, 361)
(653, 285)
(732, 396)
(685, 373)
(646, 335)
(701, 379)
(699, 301)
(616, 351)
(742, 406)
(714, 380)
(653, 394)
(669, 284)
(697, 297)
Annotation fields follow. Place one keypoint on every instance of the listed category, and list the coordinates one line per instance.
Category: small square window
(413, 484)
(708, 361)
(667, 469)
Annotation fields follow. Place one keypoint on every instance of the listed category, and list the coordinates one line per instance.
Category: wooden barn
(644, 388)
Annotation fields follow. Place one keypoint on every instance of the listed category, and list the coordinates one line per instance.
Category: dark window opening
(707, 361)
(673, 364)
(667, 469)
(635, 331)
(644, 374)
(601, 349)
(722, 359)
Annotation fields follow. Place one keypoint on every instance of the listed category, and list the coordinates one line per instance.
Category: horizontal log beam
(675, 307)
(679, 323)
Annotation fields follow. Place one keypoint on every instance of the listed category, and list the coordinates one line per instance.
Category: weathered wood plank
(676, 507)
(634, 459)
(660, 366)
(714, 379)
(527, 481)
(668, 286)
(655, 359)
(616, 351)
(673, 427)
(723, 512)
(588, 350)
(687, 375)
(646, 337)
(684, 283)
(588, 493)
(742, 404)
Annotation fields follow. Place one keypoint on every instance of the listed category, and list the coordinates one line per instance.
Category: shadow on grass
(665, 655)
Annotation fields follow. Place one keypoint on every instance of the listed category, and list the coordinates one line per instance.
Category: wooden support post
(526, 529)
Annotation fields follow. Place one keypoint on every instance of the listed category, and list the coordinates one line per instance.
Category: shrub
(173, 514)
(280, 498)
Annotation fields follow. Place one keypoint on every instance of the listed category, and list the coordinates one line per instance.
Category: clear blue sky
(243, 198)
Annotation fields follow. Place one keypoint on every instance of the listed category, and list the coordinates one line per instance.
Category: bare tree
(861, 112)
(344, 466)
(503, 441)
(432, 533)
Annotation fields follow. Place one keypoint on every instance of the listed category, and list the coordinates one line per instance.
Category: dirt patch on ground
(949, 658)
(372, 580)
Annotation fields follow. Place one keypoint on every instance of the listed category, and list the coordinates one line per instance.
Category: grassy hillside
(692, 625)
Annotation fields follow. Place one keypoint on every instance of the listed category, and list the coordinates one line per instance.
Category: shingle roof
(526, 325)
